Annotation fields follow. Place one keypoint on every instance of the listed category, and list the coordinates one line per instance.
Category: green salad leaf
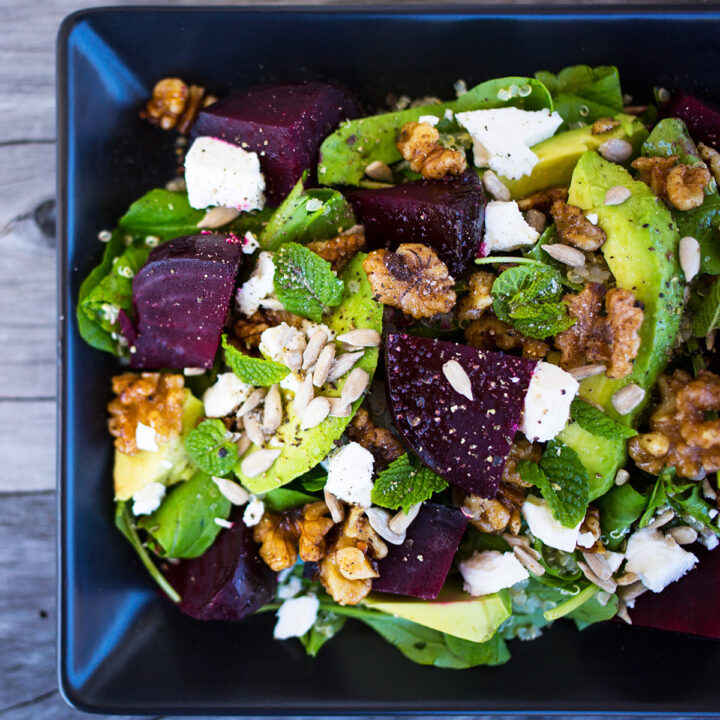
(619, 508)
(282, 499)
(163, 214)
(707, 317)
(305, 283)
(404, 483)
(326, 626)
(211, 449)
(597, 422)
(253, 371)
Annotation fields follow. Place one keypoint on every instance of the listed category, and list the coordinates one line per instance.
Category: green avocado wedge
(303, 449)
(641, 252)
(558, 155)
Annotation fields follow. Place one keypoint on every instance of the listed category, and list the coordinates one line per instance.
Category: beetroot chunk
(445, 214)
(464, 441)
(701, 118)
(228, 581)
(181, 296)
(419, 566)
(284, 124)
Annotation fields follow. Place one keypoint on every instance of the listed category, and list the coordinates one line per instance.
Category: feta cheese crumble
(283, 344)
(502, 137)
(289, 588)
(250, 243)
(253, 512)
(313, 204)
(218, 173)
(146, 438)
(225, 395)
(429, 119)
(350, 474)
(506, 228)
(258, 286)
(147, 500)
(545, 527)
(489, 571)
(547, 402)
(296, 616)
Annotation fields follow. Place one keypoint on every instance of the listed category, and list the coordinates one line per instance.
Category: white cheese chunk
(250, 243)
(505, 227)
(283, 344)
(657, 559)
(489, 571)
(429, 119)
(146, 438)
(309, 328)
(502, 137)
(225, 395)
(296, 616)
(258, 286)
(253, 512)
(218, 173)
(350, 474)
(148, 499)
(292, 381)
(289, 588)
(545, 527)
(547, 402)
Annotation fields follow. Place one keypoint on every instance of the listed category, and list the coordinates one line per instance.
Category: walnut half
(491, 333)
(175, 104)
(338, 251)
(575, 229)
(419, 144)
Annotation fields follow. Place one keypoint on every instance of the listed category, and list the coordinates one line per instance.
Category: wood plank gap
(29, 141)
(25, 493)
(28, 703)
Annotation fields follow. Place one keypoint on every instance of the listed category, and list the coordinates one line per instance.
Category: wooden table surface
(28, 685)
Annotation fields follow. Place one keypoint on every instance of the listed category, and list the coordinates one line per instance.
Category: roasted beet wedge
(465, 441)
(227, 582)
(419, 566)
(445, 214)
(181, 296)
(284, 124)
(701, 118)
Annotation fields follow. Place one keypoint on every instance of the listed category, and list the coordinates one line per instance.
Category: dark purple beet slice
(445, 214)
(284, 124)
(227, 582)
(688, 605)
(701, 118)
(181, 296)
(419, 566)
(464, 441)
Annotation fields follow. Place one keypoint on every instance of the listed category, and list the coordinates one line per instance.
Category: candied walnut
(384, 446)
(338, 251)
(247, 330)
(575, 229)
(712, 158)
(685, 186)
(315, 524)
(277, 534)
(498, 514)
(419, 144)
(491, 333)
(604, 125)
(521, 449)
(478, 299)
(175, 105)
(543, 200)
(610, 339)
(591, 524)
(412, 279)
(653, 171)
(680, 436)
(150, 398)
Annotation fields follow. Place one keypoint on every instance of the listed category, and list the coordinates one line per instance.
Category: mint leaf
(405, 483)
(210, 448)
(597, 422)
(305, 283)
(708, 314)
(253, 371)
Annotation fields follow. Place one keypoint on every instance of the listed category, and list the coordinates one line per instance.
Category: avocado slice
(558, 155)
(641, 252)
(168, 465)
(303, 449)
(453, 612)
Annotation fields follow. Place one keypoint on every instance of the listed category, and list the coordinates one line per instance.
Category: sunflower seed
(628, 398)
(243, 444)
(271, 304)
(594, 578)
(362, 337)
(535, 219)
(712, 158)
(622, 613)
(355, 385)
(495, 186)
(337, 511)
(401, 521)
(662, 519)
(519, 541)
(629, 593)
(457, 377)
(253, 400)
(616, 150)
(315, 413)
(232, 491)
(380, 522)
(316, 343)
(710, 340)
(342, 364)
(708, 490)
(617, 195)
(176, 185)
(378, 170)
(586, 371)
(272, 410)
(303, 395)
(627, 579)
(253, 429)
(294, 360)
(622, 476)
(338, 407)
(527, 560)
(217, 217)
(565, 254)
(689, 257)
(323, 365)
(258, 462)
(193, 372)
(598, 564)
(683, 534)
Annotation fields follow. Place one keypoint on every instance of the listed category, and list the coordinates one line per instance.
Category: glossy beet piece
(701, 118)
(284, 124)
(688, 605)
(227, 582)
(445, 214)
(181, 296)
(464, 441)
(419, 566)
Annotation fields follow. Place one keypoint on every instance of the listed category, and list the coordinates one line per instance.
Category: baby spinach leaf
(210, 448)
(597, 422)
(327, 625)
(184, 525)
(600, 607)
(305, 283)
(404, 483)
(619, 509)
(162, 213)
(530, 600)
(313, 480)
(282, 499)
(253, 371)
(658, 497)
(707, 317)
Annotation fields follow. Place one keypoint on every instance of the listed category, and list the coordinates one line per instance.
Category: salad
(444, 368)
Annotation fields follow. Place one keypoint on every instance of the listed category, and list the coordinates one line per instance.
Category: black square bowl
(123, 647)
